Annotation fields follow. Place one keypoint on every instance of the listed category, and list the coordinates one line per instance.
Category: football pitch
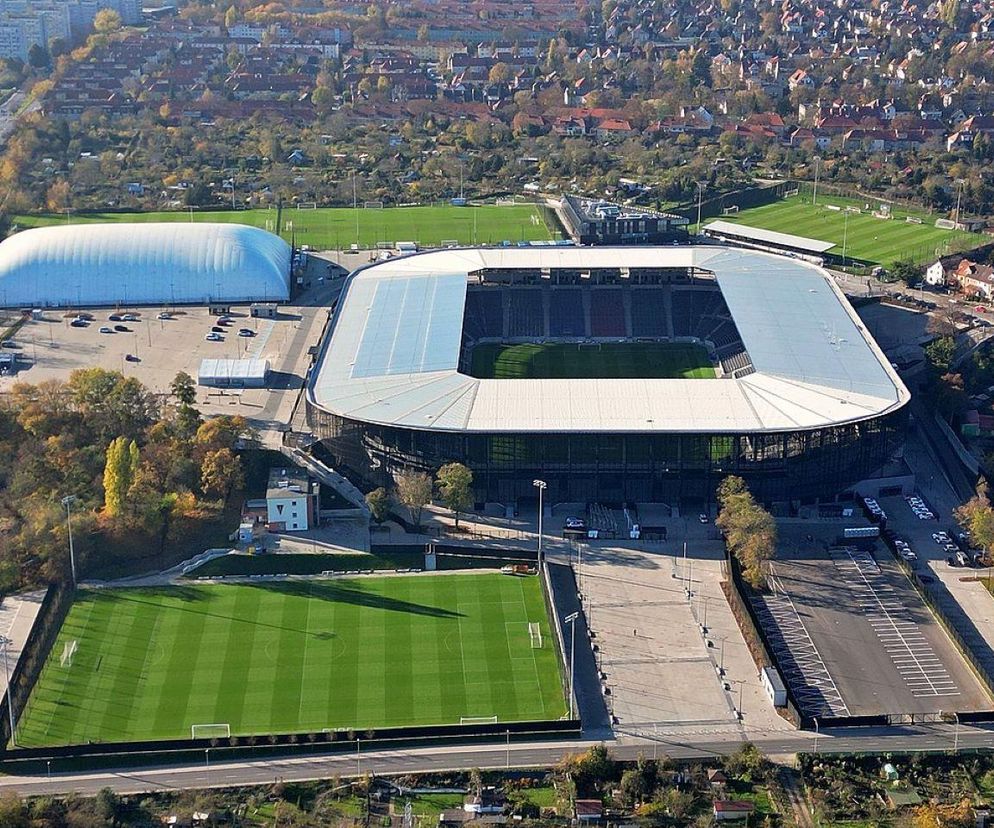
(333, 228)
(608, 360)
(296, 657)
(867, 240)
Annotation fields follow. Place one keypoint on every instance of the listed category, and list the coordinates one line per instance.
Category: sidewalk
(17, 616)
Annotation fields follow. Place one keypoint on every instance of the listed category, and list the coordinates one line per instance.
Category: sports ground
(296, 657)
(867, 240)
(609, 360)
(332, 228)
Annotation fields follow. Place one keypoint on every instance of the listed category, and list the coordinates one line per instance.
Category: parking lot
(854, 638)
(155, 343)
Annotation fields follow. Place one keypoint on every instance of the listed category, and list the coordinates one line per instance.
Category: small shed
(717, 778)
(588, 810)
(774, 686)
(233, 373)
(729, 810)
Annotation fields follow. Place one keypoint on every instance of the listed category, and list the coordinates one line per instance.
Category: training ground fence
(41, 638)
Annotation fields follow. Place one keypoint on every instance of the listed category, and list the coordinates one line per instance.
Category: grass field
(335, 227)
(296, 656)
(868, 240)
(609, 360)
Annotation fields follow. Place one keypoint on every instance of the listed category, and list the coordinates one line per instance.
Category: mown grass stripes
(607, 360)
(300, 656)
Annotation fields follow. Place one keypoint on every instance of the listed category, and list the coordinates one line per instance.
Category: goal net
(535, 634)
(68, 651)
(449, 242)
(373, 205)
(477, 720)
(307, 205)
(210, 731)
(790, 193)
(728, 211)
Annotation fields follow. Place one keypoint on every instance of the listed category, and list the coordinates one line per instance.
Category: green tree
(939, 353)
(38, 56)
(106, 21)
(455, 484)
(907, 271)
(230, 17)
(378, 502)
(413, 492)
(750, 531)
(119, 471)
(183, 388)
(976, 516)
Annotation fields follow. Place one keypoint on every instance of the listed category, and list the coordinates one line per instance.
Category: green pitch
(303, 656)
(335, 227)
(609, 360)
(868, 240)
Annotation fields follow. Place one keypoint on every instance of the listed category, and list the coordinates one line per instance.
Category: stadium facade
(88, 265)
(803, 403)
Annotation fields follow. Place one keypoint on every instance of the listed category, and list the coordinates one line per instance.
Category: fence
(738, 601)
(54, 608)
(744, 198)
(552, 615)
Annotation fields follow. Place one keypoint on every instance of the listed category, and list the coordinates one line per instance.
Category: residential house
(729, 810)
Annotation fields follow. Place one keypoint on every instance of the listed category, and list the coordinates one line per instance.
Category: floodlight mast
(6, 642)
(571, 620)
(541, 485)
(68, 501)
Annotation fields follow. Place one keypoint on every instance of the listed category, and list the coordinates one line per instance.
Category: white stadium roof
(758, 234)
(82, 265)
(392, 356)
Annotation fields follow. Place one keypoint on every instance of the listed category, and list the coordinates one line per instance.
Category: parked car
(246, 332)
(122, 328)
(217, 329)
(214, 337)
(79, 323)
(105, 329)
(114, 317)
(132, 358)
(574, 523)
(164, 315)
(130, 317)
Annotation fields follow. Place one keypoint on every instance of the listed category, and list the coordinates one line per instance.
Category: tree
(500, 72)
(106, 21)
(119, 472)
(57, 198)
(414, 492)
(750, 531)
(198, 194)
(749, 761)
(976, 516)
(378, 502)
(907, 271)
(38, 56)
(455, 484)
(183, 388)
(230, 17)
(221, 473)
(939, 353)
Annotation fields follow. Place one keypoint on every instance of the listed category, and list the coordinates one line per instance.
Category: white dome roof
(143, 263)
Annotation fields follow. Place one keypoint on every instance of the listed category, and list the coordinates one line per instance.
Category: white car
(214, 337)
(105, 329)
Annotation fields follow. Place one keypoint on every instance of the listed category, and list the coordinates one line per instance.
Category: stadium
(614, 374)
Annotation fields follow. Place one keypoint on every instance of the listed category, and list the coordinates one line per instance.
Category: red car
(980, 309)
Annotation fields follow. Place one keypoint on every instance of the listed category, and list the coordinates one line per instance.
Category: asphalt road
(544, 754)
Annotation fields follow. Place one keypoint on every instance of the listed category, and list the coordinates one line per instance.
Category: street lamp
(816, 734)
(959, 194)
(541, 485)
(814, 192)
(571, 620)
(700, 198)
(68, 501)
(6, 642)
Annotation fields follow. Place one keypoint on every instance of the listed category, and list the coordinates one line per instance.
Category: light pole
(721, 662)
(68, 501)
(956, 734)
(6, 642)
(571, 620)
(845, 235)
(358, 758)
(959, 194)
(814, 192)
(541, 485)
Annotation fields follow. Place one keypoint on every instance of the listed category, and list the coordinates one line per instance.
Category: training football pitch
(866, 239)
(334, 228)
(296, 657)
(608, 360)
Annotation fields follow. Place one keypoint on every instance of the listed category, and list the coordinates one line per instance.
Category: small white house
(935, 274)
(291, 500)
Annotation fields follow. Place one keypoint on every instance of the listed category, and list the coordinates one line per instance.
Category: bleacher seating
(607, 312)
(649, 312)
(484, 315)
(527, 317)
(566, 312)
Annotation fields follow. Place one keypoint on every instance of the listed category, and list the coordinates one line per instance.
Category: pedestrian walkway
(17, 616)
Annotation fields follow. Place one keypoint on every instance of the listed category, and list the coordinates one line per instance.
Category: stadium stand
(649, 312)
(526, 316)
(484, 316)
(607, 313)
(566, 312)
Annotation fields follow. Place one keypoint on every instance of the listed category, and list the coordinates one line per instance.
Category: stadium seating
(527, 317)
(607, 313)
(566, 312)
(484, 316)
(649, 316)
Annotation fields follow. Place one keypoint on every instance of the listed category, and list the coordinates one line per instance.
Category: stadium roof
(81, 265)
(393, 353)
(758, 234)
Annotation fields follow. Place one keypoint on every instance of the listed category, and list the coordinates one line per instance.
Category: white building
(935, 274)
(291, 500)
(88, 265)
(233, 373)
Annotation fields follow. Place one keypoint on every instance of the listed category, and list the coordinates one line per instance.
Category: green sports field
(296, 656)
(335, 227)
(869, 240)
(609, 360)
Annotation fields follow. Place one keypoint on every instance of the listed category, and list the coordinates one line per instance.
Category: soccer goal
(506, 202)
(471, 720)
(791, 193)
(730, 211)
(535, 634)
(307, 205)
(210, 731)
(373, 205)
(449, 242)
(68, 651)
